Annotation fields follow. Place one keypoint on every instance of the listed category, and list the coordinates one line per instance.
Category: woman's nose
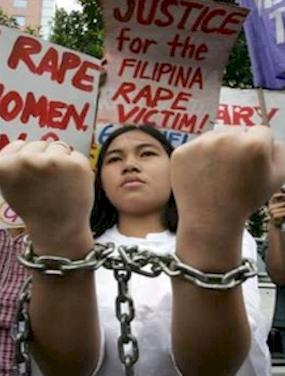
(131, 164)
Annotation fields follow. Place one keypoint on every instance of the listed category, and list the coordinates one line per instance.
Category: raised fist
(49, 186)
(222, 177)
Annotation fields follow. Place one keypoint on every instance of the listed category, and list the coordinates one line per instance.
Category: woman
(209, 329)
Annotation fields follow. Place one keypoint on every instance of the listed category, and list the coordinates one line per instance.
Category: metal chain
(21, 332)
(125, 312)
(128, 260)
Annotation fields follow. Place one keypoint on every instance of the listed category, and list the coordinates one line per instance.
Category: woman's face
(136, 174)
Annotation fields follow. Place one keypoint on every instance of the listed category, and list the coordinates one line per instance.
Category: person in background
(275, 259)
(12, 276)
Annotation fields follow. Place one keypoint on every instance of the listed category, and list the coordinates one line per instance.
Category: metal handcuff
(126, 261)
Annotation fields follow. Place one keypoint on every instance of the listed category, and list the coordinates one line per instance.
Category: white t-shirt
(151, 325)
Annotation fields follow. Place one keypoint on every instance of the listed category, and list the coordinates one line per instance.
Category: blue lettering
(105, 133)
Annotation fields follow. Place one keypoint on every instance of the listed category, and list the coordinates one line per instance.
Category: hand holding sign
(51, 188)
(219, 179)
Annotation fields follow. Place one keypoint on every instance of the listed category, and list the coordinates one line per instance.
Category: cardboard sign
(8, 218)
(47, 92)
(240, 107)
(165, 61)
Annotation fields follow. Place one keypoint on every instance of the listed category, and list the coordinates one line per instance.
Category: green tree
(80, 30)
(7, 20)
(238, 70)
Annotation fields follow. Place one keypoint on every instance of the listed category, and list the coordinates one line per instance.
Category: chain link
(21, 332)
(126, 261)
(125, 313)
(57, 266)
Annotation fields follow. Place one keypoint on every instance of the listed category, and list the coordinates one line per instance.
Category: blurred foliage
(7, 20)
(80, 30)
(238, 70)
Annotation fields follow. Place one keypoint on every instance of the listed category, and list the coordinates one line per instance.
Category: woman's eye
(113, 159)
(148, 153)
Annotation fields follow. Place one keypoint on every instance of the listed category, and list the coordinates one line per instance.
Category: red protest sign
(165, 62)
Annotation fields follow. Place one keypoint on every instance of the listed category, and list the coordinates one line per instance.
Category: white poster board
(165, 62)
(47, 92)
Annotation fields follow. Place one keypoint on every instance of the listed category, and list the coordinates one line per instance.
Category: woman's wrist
(73, 246)
(211, 250)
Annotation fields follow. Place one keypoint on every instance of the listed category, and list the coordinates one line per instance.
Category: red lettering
(183, 97)
(210, 16)
(50, 136)
(147, 117)
(4, 139)
(54, 118)
(69, 61)
(242, 115)
(166, 115)
(2, 88)
(202, 124)
(49, 63)
(164, 10)
(35, 108)
(192, 16)
(161, 94)
(10, 215)
(77, 117)
(141, 113)
(234, 18)
(124, 90)
(272, 113)
(143, 7)
(126, 63)
(81, 76)
(53, 114)
(202, 49)
(11, 105)
(223, 114)
(199, 19)
(187, 123)
(189, 7)
(124, 117)
(128, 15)
(23, 48)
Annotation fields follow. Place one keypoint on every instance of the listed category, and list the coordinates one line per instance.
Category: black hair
(104, 215)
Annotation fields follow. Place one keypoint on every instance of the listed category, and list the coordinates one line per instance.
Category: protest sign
(165, 61)
(265, 34)
(238, 107)
(8, 218)
(47, 92)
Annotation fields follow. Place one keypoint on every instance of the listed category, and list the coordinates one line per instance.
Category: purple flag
(265, 34)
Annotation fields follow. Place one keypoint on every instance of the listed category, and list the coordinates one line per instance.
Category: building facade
(31, 13)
